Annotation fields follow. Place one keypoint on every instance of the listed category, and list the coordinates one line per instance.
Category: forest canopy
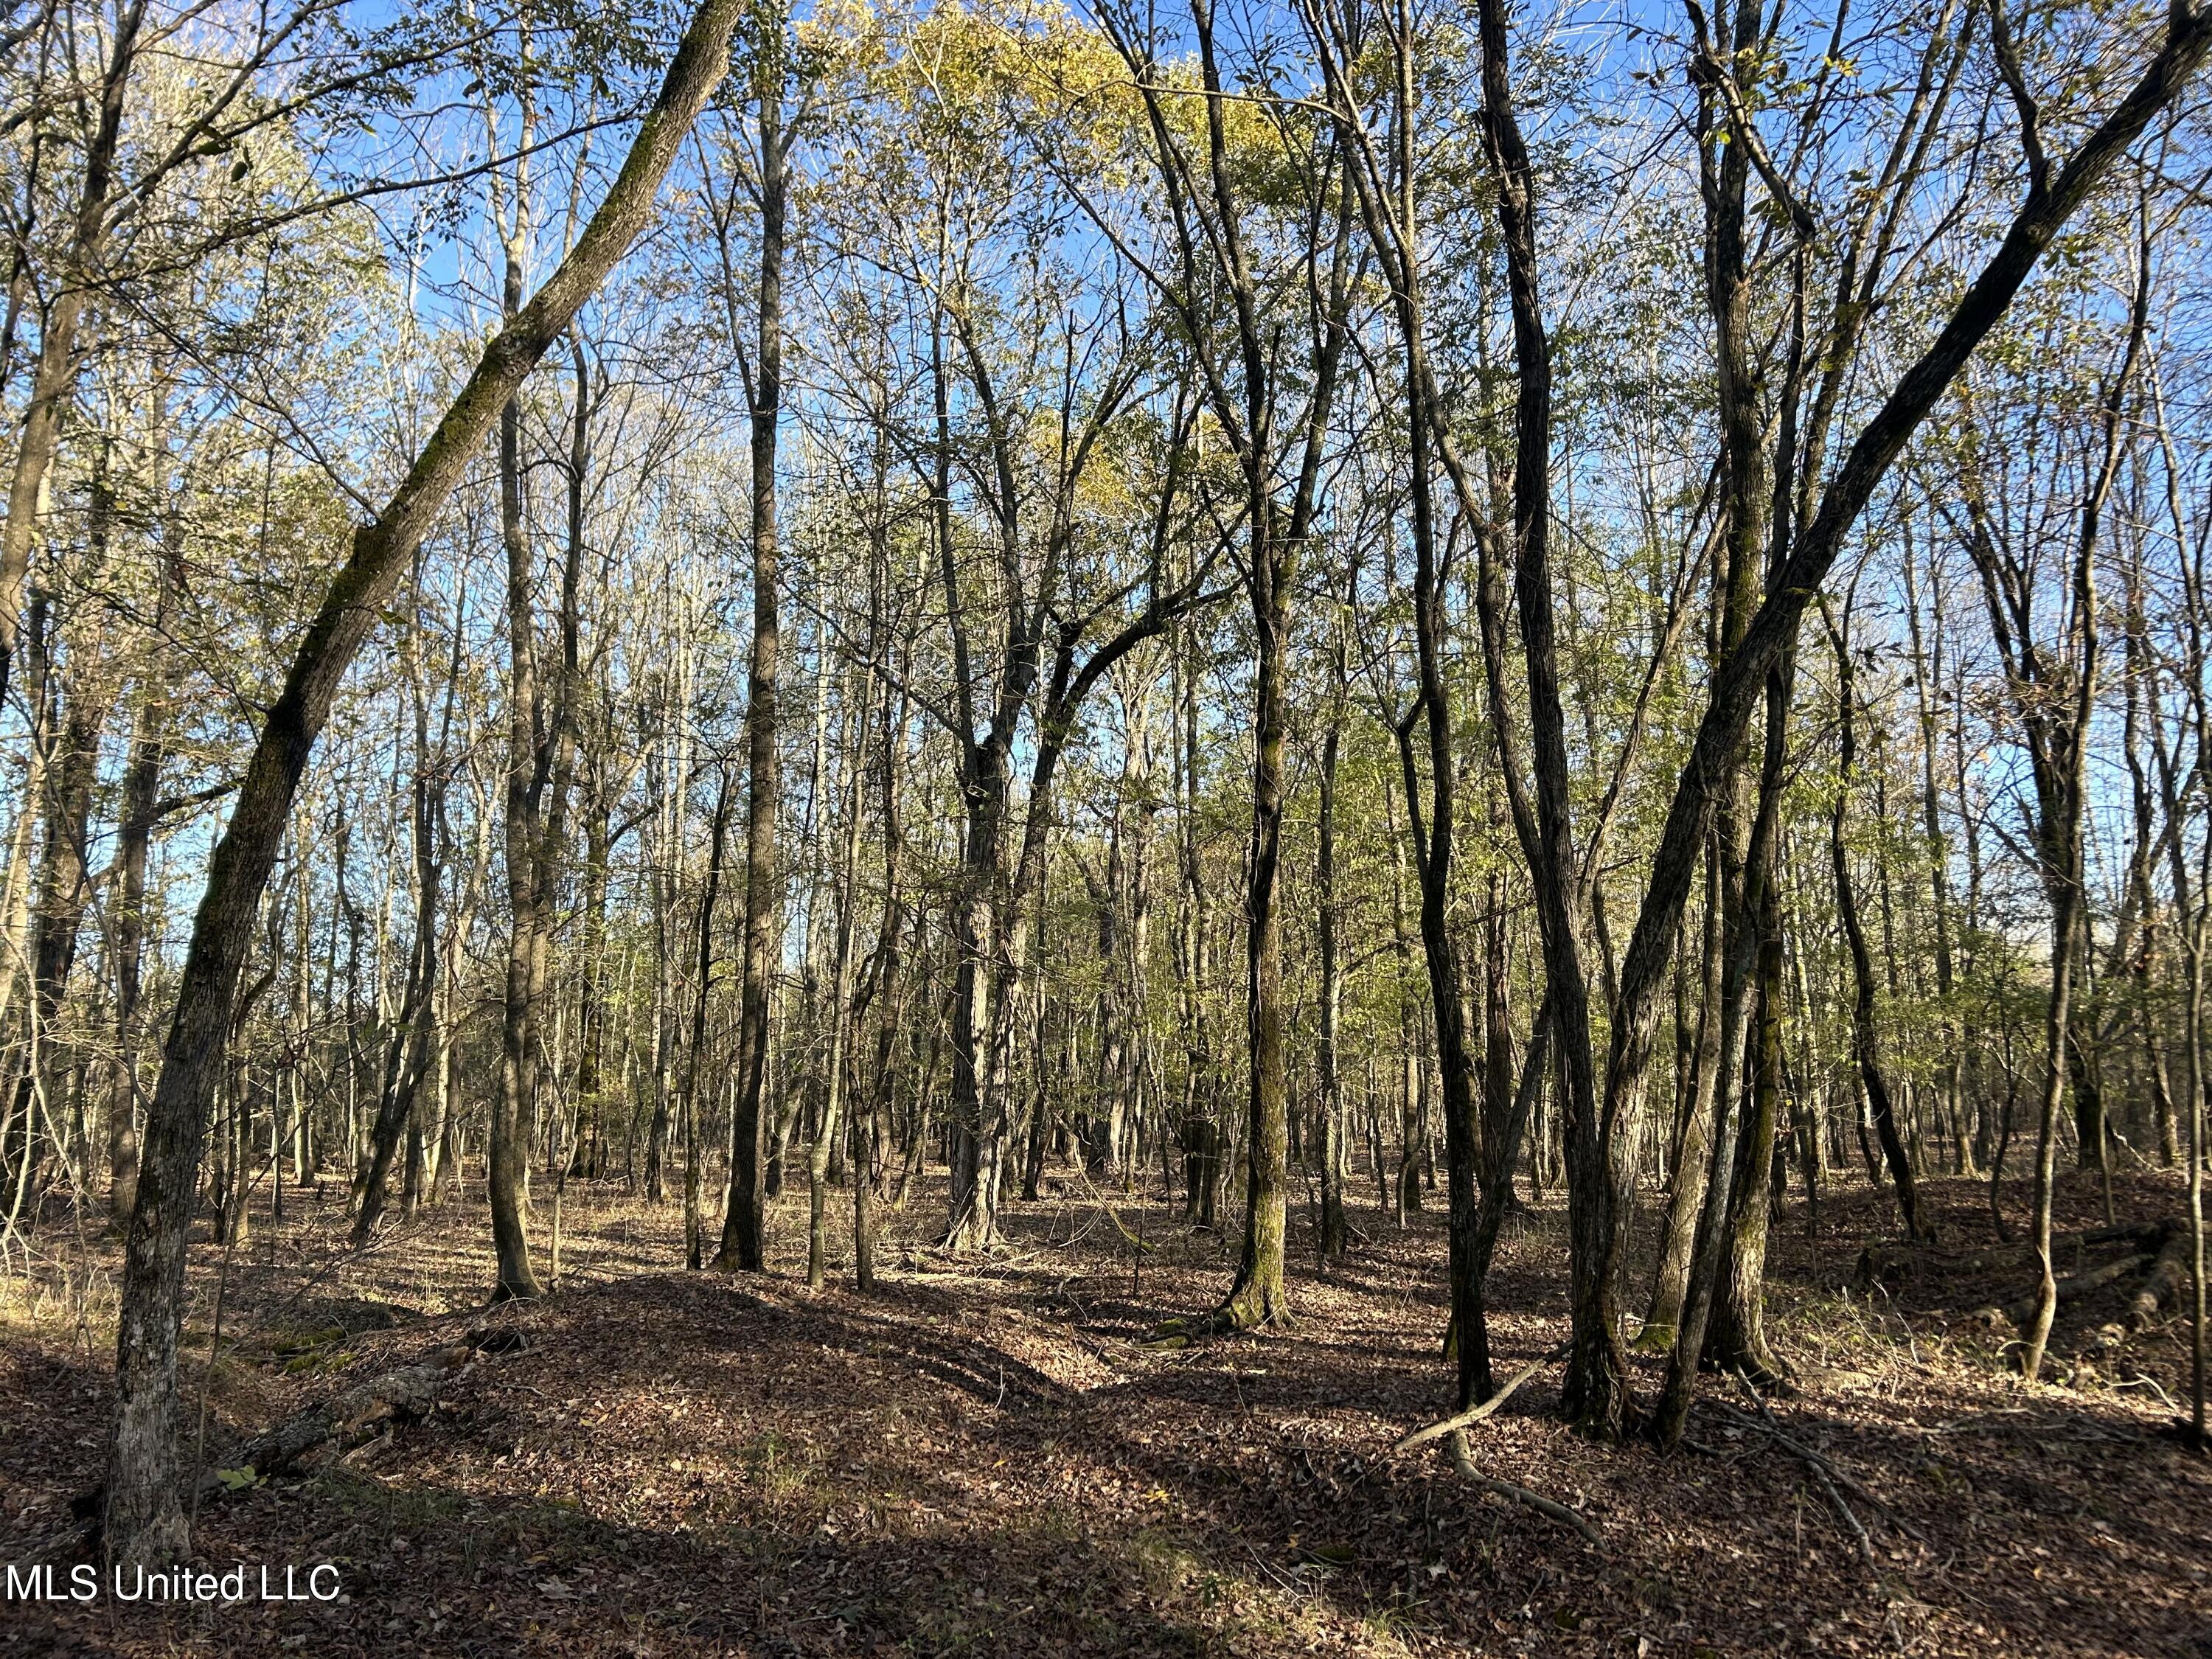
(1585, 618)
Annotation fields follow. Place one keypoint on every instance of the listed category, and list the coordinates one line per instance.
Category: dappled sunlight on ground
(985, 1457)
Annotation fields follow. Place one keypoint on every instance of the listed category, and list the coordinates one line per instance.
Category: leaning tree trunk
(144, 1519)
(2051, 200)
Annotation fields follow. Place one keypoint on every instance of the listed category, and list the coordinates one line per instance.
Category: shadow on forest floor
(981, 1457)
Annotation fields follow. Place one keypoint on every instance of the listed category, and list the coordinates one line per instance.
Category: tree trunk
(412, 1045)
(54, 383)
(1866, 1045)
(1596, 1394)
(529, 900)
(827, 1128)
(694, 1246)
(142, 1519)
(58, 912)
(1334, 1234)
(1693, 1162)
(136, 814)
(742, 1246)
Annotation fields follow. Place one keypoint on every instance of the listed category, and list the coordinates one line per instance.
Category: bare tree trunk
(142, 1519)
(412, 1044)
(1866, 1046)
(872, 1138)
(827, 1128)
(1334, 1230)
(58, 911)
(529, 743)
(742, 1245)
(2055, 715)
(1245, 404)
(54, 383)
(694, 1245)
(2190, 916)
(1596, 1395)
(1198, 1127)
(1953, 1033)
(136, 814)
(1693, 1162)
(591, 999)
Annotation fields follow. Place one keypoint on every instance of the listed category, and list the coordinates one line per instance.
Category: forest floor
(984, 1459)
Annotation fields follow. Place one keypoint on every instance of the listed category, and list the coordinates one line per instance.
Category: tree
(142, 1519)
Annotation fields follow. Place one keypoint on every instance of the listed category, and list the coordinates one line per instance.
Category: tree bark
(1866, 1043)
(529, 743)
(1596, 1395)
(828, 1126)
(54, 383)
(1693, 1162)
(695, 1056)
(743, 1247)
(1334, 1231)
(143, 1518)
(416, 1035)
(2051, 202)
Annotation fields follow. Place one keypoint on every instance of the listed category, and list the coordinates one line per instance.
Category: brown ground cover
(986, 1459)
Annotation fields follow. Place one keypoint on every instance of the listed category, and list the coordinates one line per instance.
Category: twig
(207, 1377)
(1843, 1513)
(1288, 1584)
(1819, 1465)
(1842, 1477)
(2151, 1383)
(1456, 1443)
(1476, 1414)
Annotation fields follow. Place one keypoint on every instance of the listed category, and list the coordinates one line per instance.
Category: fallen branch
(2136, 1232)
(1457, 1445)
(1822, 1473)
(2163, 1283)
(1114, 1216)
(1488, 1407)
(1887, 1261)
(2074, 1286)
(1827, 1466)
(408, 1391)
(1851, 1522)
